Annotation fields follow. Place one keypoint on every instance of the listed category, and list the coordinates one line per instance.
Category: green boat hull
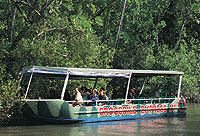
(59, 111)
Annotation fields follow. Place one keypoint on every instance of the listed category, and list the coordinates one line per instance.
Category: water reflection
(185, 125)
(139, 127)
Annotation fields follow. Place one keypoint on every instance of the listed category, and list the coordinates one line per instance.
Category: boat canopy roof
(95, 73)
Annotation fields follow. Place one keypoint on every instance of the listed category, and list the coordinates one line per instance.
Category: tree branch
(29, 5)
(180, 34)
(120, 24)
(52, 29)
(25, 17)
(26, 27)
(100, 11)
(45, 6)
(12, 25)
(181, 30)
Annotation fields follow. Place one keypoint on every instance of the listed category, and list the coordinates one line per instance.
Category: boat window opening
(45, 87)
(155, 87)
(113, 92)
(155, 91)
(89, 84)
(119, 88)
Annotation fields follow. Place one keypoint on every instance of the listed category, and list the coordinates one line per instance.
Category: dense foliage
(155, 34)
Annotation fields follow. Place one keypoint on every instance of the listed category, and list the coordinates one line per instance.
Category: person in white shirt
(78, 98)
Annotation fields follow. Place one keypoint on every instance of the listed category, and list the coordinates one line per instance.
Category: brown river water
(188, 125)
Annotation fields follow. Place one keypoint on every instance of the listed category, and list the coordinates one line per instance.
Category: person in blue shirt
(94, 96)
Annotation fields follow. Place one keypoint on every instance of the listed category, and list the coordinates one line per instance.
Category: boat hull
(59, 111)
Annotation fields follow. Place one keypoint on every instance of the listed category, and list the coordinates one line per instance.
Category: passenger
(103, 97)
(95, 95)
(130, 96)
(109, 92)
(78, 98)
(89, 97)
(157, 94)
(83, 89)
(134, 93)
(83, 92)
(99, 93)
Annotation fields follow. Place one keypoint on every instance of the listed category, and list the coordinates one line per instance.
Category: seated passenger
(83, 92)
(89, 97)
(109, 92)
(130, 96)
(88, 94)
(157, 94)
(78, 98)
(99, 93)
(94, 96)
(134, 93)
(103, 97)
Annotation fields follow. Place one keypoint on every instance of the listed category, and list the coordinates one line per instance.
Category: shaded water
(188, 125)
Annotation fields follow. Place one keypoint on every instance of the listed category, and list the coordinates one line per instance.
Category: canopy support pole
(65, 85)
(179, 87)
(28, 85)
(127, 89)
(95, 83)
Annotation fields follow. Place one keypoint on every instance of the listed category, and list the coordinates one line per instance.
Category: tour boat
(45, 89)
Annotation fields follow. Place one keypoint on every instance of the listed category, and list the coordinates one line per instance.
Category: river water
(188, 125)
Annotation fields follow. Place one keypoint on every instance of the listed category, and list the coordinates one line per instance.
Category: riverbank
(193, 99)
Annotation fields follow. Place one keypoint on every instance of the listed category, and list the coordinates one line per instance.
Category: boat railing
(138, 101)
(123, 101)
(115, 101)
